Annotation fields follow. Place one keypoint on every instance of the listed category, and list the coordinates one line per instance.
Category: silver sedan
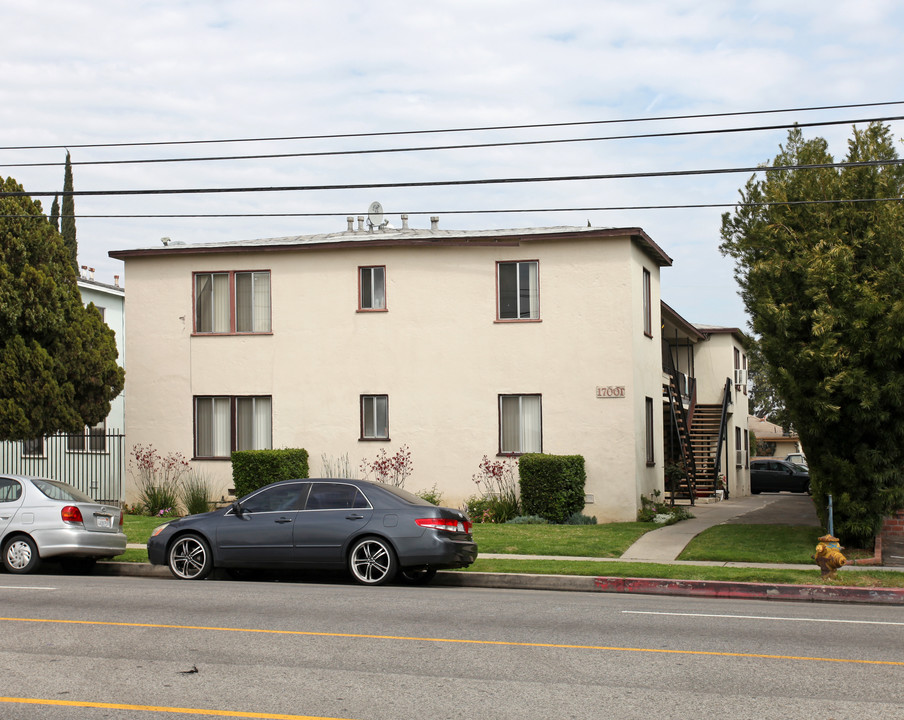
(47, 519)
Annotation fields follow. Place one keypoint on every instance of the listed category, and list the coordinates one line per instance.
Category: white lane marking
(25, 587)
(763, 617)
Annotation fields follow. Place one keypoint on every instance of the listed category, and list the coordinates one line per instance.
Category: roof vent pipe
(360, 223)
(404, 222)
(116, 280)
(351, 223)
(434, 222)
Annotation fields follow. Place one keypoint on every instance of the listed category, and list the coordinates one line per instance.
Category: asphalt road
(119, 647)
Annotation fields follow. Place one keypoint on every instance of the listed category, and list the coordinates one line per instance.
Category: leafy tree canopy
(823, 283)
(58, 368)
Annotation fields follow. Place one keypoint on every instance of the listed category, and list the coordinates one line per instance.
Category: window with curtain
(375, 417)
(519, 290)
(232, 302)
(372, 288)
(216, 417)
(520, 424)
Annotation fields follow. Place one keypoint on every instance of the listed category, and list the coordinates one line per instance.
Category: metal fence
(92, 461)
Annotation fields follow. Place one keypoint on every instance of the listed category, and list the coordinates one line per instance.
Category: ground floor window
(226, 423)
(91, 439)
(520, 424)
(375, 417)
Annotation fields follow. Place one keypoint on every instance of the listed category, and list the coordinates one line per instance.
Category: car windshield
(56, 490)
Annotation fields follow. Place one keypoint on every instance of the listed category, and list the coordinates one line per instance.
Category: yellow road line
(161, 709)
(461, 641)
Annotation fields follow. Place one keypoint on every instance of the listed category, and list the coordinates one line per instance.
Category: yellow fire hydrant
(828, 556)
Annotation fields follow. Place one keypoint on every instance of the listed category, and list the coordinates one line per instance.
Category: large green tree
(58, 369)
(819, 256)
(67, 221)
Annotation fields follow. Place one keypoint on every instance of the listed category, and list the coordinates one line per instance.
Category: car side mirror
(237, 508)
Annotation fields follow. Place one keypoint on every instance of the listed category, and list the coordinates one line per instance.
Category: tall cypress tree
(55, 213)
(67, 221)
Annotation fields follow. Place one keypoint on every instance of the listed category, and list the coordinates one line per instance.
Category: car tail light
(72, 514)
(449, 525)
(122, 514)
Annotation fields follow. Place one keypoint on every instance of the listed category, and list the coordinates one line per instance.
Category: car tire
(20, 555)
(807, 489)
(417, 576)
(189, 558)
(78, 565)
(372, 561)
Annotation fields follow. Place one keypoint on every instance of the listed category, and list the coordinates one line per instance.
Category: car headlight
(159, 529)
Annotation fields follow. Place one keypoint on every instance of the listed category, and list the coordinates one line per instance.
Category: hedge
(252, 469)
(552, 486)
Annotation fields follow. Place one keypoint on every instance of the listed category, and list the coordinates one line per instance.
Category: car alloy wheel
(372, 561)
(189, 558)
(20, 555)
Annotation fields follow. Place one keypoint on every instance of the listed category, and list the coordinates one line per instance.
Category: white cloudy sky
(108, 71)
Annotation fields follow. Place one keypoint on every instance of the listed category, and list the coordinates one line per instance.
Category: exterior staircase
(705, 431)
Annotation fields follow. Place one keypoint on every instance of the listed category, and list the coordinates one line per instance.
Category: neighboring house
(773, 440)
(92, 460)
(457, 344)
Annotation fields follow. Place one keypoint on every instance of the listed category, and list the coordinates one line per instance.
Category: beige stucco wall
(714, 363)
(438, 353)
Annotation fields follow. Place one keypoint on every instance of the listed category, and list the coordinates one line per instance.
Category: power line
(469, 146)
(497, 211)
(457, 183)
(451, 130)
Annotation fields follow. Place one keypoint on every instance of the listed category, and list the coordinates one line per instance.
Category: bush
(389, 469)
(253, 469)
(580, 519)
(498, 484)
(552, 486)
(431, 496)
(158, 479)
(652, 509)
(528, 520)
(196, 493)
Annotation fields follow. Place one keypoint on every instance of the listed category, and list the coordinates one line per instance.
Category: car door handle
(283, 520)
(354, 517)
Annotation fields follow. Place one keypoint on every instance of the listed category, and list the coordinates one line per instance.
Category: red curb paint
(751, 591)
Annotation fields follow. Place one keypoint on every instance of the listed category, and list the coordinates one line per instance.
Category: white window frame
(374, 417)
(526, 413)
(521, 302)
(372, 288)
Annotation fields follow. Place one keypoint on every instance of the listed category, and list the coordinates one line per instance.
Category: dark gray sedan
(377, 531)
(778, 475)
(49, 519)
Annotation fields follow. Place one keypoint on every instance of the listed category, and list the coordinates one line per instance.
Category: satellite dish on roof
(375, 214)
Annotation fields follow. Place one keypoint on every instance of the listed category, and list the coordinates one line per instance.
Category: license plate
(104, 521)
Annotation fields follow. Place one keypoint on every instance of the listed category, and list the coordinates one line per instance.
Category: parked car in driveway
(773, 475)
(797, 459)
(43, 519)
(376, 531)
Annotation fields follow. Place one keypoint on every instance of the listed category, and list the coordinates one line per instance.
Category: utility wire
(456, 183)
(451, 130)
(498, 211)
(470, 146)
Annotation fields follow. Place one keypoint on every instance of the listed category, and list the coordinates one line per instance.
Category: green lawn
(781, 544)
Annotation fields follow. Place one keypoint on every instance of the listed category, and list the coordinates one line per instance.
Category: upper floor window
(649, 432)
(518, 286)
(375, 417)
(224, 424)
(647, 304)
(520, 424)
(372, 288)
(232, 302)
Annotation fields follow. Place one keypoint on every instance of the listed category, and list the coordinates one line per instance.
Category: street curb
(587, 583)
(687, 588)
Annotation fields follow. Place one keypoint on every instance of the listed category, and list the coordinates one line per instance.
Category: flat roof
(390, 236)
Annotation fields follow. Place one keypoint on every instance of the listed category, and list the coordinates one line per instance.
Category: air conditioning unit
(740, 376)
